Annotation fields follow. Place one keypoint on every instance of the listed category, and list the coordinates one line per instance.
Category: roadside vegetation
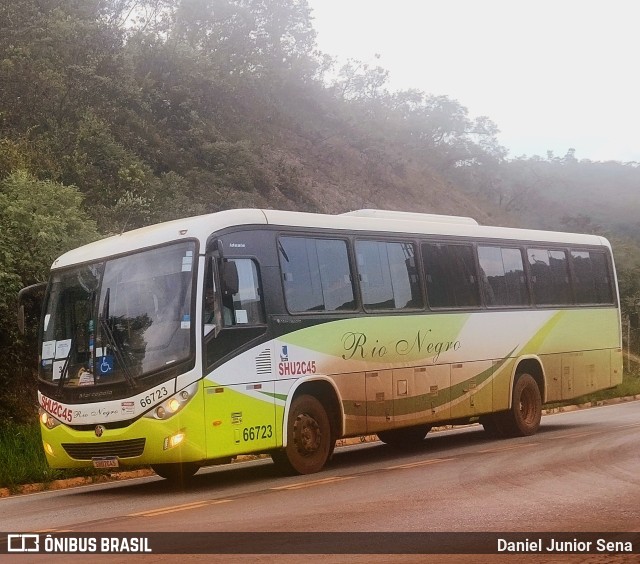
(22, 459)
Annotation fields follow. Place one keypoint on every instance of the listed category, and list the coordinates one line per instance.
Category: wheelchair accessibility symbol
(105, 365)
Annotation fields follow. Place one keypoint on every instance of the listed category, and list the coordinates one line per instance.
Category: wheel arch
(530, 364)
(324, 390)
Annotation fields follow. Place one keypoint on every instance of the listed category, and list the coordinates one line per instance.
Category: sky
(552, 74)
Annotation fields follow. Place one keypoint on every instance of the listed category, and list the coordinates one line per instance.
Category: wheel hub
(307, 434)
(527, 409)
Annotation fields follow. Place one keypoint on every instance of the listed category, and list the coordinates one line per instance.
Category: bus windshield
(120, 319)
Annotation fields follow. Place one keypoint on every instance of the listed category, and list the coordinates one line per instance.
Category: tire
(405, 437)
(523, 419)
(310, 441)
(491, 425)
(176, 473)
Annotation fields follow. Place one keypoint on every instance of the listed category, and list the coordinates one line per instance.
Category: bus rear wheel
(310, 441)
(176, 473)
(406, 437)
(523, 419)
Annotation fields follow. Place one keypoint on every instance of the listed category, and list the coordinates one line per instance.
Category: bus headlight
(47, 420)
(174, 404)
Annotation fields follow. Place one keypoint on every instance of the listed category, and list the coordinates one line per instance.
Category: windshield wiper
(108, 334)
(65, 367)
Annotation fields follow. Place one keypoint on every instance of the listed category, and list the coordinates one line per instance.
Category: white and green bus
(260, 331)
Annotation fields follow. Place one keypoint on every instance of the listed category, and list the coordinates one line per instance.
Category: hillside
(203, 109)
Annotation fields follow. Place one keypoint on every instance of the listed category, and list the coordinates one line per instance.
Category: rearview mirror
(230, 282)
(35, 294)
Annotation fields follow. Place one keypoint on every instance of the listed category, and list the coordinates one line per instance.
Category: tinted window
(315, 274)
(450, 273)
(502, 277)
(549, 276)
(388, 275)
(591, 275)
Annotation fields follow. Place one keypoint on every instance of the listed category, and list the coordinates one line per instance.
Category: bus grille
(121, 449)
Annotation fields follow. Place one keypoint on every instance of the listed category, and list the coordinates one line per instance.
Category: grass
(22, 459)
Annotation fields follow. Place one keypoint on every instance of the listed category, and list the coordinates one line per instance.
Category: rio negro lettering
(359, 346)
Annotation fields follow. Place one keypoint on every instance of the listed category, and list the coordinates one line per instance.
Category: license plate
(107, 462)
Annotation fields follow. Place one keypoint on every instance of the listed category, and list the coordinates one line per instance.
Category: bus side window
(550, 276)
(502, 278)
(316, 274)
(388, 275)
(592, 280)
(451, 275)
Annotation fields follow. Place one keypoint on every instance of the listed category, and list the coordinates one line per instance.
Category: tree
(360, 81)
(40, 220)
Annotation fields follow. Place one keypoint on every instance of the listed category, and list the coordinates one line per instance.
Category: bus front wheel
(177, 473)
(523, 419)
(309, 438)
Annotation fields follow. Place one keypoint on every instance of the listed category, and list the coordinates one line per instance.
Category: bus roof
(412, 216)
(201, 228)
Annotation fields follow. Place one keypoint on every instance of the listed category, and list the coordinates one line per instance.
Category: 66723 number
(153, 397)
(258, 432)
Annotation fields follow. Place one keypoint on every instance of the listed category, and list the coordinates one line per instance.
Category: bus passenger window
(450, 273)
(550, 276)
(502, 277)
(388, 275)
(315, 274)
(592, 280)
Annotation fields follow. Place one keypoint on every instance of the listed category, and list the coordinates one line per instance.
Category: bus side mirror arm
(215, 247)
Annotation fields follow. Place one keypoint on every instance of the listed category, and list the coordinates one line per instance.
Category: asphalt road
(579, 473)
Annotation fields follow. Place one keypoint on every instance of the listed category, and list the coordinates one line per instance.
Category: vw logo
(99, 430)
